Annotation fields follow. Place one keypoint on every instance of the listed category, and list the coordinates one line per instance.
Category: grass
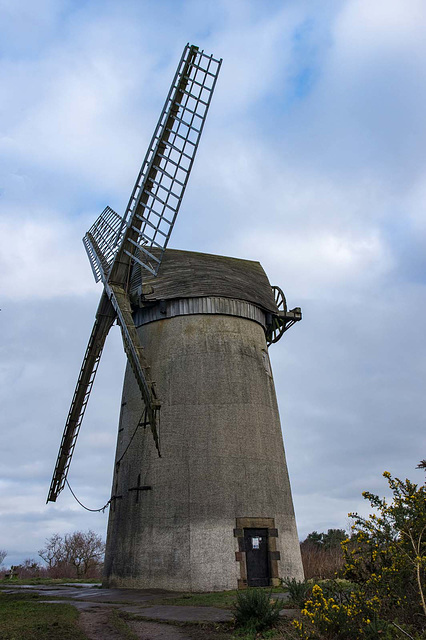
(221, 599)
(282, 632)
(24, 618)
(118, 620)
(53, 581)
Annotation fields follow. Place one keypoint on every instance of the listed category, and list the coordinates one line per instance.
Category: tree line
(75, 555)
(322, 554)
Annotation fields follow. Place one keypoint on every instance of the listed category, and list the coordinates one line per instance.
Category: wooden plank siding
(189, 274)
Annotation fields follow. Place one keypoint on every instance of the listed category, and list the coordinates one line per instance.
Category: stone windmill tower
(201, 498)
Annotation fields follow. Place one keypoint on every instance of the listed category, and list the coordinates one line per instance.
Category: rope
(143, 421)
(82, 505)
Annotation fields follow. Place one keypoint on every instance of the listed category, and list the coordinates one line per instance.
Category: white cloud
(319, 261)
(416, 203)
(321, 179)
(376, 29)
(254, 55)
(42, 259)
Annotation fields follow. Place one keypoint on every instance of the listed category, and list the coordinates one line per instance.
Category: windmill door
(257, 557)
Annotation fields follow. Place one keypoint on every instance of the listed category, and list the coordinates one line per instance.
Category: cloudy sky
(312, 161)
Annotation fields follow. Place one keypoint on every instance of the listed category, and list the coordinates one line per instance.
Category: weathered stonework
(175, 521)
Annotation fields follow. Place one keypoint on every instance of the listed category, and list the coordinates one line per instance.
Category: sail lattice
(157, 194)
(102, 242)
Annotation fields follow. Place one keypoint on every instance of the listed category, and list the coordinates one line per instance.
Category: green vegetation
(221, 599)
(23, 618)
(281, 632)
(386, 556)
(53, 581)
(329, 540)
(118, 622)
(385, 560)
(322, 555)
(380, 592)
(76, 555)
(297, 590)
(337, 618)
(255, 611)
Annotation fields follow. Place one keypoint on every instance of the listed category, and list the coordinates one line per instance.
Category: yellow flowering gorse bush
(386, 555)
(327, 618)
(385, 559)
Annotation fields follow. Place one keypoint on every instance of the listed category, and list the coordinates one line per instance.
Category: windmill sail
(104, 319)
(160, 186)
(116, 245)
(100, 242)
(136, 358)
(156, 197)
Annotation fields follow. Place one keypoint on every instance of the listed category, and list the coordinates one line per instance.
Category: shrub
(385, 559)
(386, 555)
(338, 589)
(353, 618)
(319, 561)
(298, 591)
(30, 568)
(254, 611)
(322, 554)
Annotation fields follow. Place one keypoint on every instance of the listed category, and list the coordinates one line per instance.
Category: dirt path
(156, 631)
(102, 625)
(96, 625)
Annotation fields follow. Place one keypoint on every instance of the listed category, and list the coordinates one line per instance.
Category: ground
(51, 612)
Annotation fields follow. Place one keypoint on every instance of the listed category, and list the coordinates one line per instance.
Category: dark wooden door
(257, 558)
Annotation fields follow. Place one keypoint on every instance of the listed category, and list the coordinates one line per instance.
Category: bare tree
(3, 554)
(54, 553)
(84, 551)
(78, 552)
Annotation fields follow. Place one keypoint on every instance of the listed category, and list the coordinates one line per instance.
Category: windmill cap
(189, 274)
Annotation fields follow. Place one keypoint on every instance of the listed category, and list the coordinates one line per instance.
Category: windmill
(166, 302)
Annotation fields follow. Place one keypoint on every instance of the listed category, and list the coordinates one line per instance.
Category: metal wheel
(277, 327)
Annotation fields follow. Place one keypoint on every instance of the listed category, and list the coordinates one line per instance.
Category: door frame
(240, 555)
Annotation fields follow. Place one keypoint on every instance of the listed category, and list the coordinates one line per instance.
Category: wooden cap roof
(189, 274)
